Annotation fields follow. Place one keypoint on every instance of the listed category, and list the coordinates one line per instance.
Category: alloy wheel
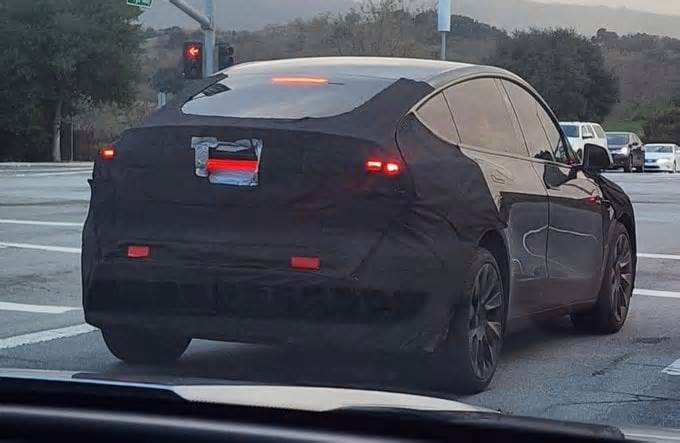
(486, 321)
(622, 278)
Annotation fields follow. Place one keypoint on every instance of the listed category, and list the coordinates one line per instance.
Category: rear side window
(588, 132)
(483, 116)
(436, 115)
(529, 114)
(599, 131)
(285, 97)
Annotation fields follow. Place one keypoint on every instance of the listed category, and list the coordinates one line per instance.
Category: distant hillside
(506, 14)
(513, 14)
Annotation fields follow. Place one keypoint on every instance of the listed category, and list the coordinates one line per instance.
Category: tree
(58, 53)
(664, 127)
(566, 68)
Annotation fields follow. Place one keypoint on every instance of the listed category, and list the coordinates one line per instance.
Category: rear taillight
(387, 168)
(107, 153)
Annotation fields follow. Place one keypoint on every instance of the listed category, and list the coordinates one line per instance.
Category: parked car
(627, 151)
(662, 157)
(580, 133)
(363, 203)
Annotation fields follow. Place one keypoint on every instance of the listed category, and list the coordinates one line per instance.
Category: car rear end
(259, 230)
(660, 157)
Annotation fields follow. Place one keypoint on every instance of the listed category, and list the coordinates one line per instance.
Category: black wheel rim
(622, 278)
(486, 321)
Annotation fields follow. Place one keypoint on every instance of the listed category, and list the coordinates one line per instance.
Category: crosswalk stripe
(40, 309)
(44, 336)
(38, 223)
(40, 247)
(659, 256)
(654, 293)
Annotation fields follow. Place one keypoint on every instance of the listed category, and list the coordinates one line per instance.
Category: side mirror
(595, 158)
(588, 136)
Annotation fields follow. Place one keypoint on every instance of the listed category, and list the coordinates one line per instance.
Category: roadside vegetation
(103, 73)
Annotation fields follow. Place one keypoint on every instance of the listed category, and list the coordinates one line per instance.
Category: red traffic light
(193, 52)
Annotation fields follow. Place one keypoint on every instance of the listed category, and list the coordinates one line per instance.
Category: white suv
(580, 133)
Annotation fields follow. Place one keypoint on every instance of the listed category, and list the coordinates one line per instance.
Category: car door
(577, 214)
(489, 134)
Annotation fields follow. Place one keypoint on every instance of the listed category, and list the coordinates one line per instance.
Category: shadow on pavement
(383, 371)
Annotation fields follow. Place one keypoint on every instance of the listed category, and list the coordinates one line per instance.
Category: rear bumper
(668, 167)
(619, 160)
(300, 308)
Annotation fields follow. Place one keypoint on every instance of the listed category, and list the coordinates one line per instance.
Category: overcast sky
(659, 6)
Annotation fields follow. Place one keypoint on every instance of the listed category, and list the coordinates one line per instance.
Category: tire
(611, 310)
(467, 359)
(628, 166)
(144, 347)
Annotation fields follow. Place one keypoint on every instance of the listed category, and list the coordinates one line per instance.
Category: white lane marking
(38, 223)
(673, 368)
(45, 336)
(40, 247)
(653, 293)
(660, 256)
(50, 174)
(40, 309)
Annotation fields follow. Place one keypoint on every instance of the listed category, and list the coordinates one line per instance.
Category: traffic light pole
(207, 23)
(209, 39)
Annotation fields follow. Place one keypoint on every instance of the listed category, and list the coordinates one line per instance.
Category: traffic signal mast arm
(207, 24)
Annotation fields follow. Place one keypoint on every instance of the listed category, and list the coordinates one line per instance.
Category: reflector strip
(593, 200)
(311, 263)
(138, 251)
(215, 164)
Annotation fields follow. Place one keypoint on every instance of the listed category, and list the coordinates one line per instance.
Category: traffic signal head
(225, 56)
(193, 60)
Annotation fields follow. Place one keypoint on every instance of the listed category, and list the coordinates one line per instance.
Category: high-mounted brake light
(387, 168)
(299, 81)
(135, 251)
(107, 153)
(216, 165)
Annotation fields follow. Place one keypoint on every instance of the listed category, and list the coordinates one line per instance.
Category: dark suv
(364, 203)
(627, 151)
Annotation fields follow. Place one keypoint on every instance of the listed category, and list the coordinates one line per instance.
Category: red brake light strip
(216, 165)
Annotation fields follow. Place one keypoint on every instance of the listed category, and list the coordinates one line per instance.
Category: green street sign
(140, 3)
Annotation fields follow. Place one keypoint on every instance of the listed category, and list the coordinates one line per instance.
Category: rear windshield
(618, 139)
(666, 149)
(289, 97)
(570, 131)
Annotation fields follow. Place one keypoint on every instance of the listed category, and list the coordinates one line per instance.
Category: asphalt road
(631, 378)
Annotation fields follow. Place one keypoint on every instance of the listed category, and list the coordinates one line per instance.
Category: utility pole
(444, 22)
(207, 22)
